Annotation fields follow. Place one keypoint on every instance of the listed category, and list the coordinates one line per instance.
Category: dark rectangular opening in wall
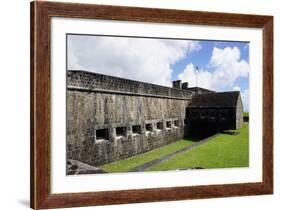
(176, 123)
(159, 126)
(203, 113)
(212, 114)
(102, 134)
(223, 114)
(136, 129)
(121, 131)
(148, 127)
(168, 124)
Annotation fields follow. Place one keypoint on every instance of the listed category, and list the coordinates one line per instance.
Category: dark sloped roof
(217, 99)
(200, 89)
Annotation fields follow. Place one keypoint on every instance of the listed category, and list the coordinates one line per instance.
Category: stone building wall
(111, 118)
(239, 113)
(212, 112)
(203, 122)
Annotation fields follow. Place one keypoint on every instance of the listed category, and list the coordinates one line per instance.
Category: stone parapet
(88, 81)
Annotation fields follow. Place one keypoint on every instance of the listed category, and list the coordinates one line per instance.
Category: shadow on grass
(199, 136)
(233, 133)
(196, 137)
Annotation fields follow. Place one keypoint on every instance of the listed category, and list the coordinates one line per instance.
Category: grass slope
(224, 151)
(127, 164)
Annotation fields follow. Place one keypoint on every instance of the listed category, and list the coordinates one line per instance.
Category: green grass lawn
(245, 114)
(224, 151)
(127, 164)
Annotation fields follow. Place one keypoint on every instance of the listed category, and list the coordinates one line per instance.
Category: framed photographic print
(140, 105)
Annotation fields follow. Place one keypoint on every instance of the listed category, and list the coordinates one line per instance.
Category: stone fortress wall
(110, 118)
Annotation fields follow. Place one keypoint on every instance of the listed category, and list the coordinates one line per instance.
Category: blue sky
(219, 65)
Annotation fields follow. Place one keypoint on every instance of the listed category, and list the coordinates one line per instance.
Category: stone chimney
(177, 84)
(184, 85)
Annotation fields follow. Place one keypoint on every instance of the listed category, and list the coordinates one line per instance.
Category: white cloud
(226, 67)
(245, 99)
(204, 78)
(236, 88)
(141, 59)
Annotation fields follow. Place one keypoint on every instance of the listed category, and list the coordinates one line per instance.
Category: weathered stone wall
(110, 118)
(93, 81)
(239, 113)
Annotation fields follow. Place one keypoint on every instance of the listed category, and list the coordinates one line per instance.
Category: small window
(136, 129)
(203, 114)
(212, 113)
(121, 131)
(159, 126)
(149, 127)
(176, 123)
(102, 134)
(168, 124)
